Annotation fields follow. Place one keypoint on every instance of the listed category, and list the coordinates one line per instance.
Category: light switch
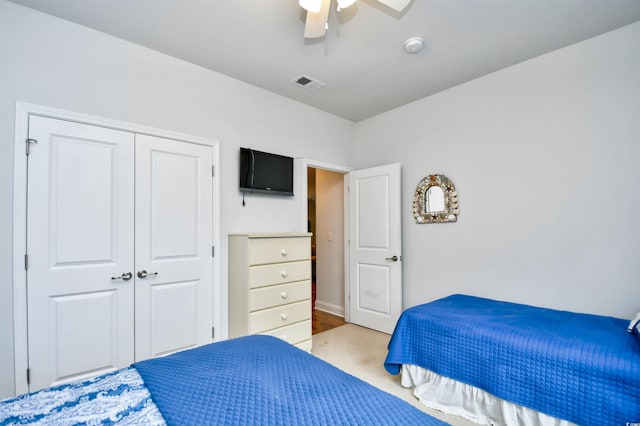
(330, 236)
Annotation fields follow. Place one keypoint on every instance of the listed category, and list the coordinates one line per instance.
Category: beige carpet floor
(361, 352)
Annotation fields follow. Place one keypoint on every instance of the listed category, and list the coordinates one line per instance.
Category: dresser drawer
(269, 297)
(273, 250)
(280, 273)
(293, 334)
(281, 316)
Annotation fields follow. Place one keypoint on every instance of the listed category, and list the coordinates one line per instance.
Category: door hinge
(28, 376)
(26, 261)
(213, 251)
(29, 142)
(213, 332)
(213, 170)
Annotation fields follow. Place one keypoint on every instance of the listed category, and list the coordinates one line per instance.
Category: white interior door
(80, 235)
(375, 243)
(173, 245)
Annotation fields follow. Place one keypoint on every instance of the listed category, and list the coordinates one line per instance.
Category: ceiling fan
(318, 13)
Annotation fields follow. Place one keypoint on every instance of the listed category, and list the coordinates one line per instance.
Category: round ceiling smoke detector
(413, 44)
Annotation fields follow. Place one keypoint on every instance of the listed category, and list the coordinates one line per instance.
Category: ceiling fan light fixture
(312, 6)
(316, 22)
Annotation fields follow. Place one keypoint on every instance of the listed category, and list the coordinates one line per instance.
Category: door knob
(125, 276)
(144, 274)
(392, 259)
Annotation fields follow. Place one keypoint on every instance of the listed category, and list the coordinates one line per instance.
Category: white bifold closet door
(173, 245)
(119, 235)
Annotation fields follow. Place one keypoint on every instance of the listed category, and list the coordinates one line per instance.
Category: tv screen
(265, 173)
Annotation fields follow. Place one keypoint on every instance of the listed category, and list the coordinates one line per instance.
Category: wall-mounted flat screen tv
(265, 173)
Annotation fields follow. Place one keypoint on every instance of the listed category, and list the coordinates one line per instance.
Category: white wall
(54, 63)
(330, 248)
(544, 156)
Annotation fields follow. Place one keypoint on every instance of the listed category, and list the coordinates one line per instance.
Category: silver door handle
(144, 274)
(126, 276)
(392, 259)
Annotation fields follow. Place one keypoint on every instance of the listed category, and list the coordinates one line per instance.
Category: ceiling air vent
(308, 83)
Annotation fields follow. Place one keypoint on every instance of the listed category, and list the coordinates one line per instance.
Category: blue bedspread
(262, 380)
(577, 367)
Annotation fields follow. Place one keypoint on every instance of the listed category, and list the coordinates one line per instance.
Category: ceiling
(361, 59)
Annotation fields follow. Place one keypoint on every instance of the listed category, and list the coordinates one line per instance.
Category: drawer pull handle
(283, 252)
(284, 274)
(284, 317)
(284, 294)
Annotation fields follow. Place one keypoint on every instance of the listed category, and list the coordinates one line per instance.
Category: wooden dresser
(270, 286)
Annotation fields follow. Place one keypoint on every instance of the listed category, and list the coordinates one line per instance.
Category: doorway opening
(325, 220)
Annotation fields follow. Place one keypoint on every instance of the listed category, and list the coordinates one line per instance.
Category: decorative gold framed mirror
(435, 200)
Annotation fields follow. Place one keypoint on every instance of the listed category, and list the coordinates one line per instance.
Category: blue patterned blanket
(114, 398)
(263, 380)
(577, 367)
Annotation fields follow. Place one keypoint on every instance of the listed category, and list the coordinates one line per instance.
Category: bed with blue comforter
(577, 367)
(250, 380)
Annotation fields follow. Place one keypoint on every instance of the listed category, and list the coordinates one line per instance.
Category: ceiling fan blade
(396, 4)
(316, 23)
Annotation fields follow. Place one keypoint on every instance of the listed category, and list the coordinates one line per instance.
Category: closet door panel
(80, 235)
(173, 245)
(174, 307)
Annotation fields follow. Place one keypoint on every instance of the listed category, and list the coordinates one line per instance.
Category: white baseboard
(330, 308)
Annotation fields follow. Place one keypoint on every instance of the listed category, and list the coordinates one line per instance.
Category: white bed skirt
(474, 404)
